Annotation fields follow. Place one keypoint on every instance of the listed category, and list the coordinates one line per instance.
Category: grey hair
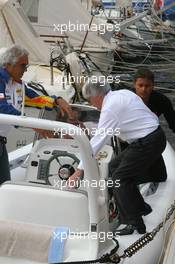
(95, 86)
(11, 55)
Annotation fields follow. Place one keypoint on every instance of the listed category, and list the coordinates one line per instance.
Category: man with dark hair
(157, 102)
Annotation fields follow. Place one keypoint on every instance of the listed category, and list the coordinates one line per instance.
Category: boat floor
(160, 202)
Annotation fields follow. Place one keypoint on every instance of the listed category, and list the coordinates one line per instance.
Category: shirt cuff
(80, 166)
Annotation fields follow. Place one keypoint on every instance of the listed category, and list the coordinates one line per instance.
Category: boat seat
(45, 206)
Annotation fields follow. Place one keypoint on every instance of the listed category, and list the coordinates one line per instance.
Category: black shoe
(139, 226)
(114, 224)
(147, 210)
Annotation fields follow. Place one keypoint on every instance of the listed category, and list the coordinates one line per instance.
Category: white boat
(38, 76)
(167, 256)
(36, 199)
(15, 28)
(78, 30)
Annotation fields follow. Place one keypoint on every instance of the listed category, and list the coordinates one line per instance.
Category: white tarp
(86, 4)
(123, 3)
(69, 12)
(5, 39)
(168, 256)
(2, 3)
(15, 28)
(30, 7)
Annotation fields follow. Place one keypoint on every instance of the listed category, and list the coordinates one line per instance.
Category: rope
(148, 237)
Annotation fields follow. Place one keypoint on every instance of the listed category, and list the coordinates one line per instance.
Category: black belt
(139, 139)
(157, 129)
(3, 140)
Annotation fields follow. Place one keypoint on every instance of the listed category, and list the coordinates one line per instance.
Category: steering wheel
(65, 170)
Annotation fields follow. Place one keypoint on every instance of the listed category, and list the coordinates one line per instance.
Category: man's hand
(73, 180)
(44, 133)
(80, 125)
(65, 108)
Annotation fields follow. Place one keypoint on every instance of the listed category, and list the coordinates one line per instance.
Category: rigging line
(156, 82)
(132, 44)
(171, 44)
(161, 22)
(120, 63)
(159, 70)
(165, 69)
(156, 42)
(166, 59)
(86, 35)
(133, 48)
(118, 55)
(127, 68)
(153, 65)
(105, 14)
(153, 55)
(152, 68)
(157, 51)
(123, 63)
(148, 54)
(100, 59)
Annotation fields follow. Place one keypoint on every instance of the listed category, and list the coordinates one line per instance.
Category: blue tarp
(140, 5)
(109, 4)
(170, 11)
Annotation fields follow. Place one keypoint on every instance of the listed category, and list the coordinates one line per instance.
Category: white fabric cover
(13, 22)
(25, 241)
(123, 3)
(61, 12)
(30, 7)
(2, 3)
(169, 253)
(44, 206)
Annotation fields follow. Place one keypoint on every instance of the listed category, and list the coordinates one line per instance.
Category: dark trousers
(140, 162)
(4, 164)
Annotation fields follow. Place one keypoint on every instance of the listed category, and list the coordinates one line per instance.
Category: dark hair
(145, 74)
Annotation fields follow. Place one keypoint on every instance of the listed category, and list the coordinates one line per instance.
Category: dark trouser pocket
(4, 164)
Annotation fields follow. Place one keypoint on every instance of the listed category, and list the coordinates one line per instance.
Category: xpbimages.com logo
(86, 184)
(83, 79)
(79, 27)
(78, 130)
(101, 236)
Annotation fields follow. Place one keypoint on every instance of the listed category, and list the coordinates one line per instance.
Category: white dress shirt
(124, 112)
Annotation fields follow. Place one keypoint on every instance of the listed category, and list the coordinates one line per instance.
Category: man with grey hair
(124, 111)
(13, 64)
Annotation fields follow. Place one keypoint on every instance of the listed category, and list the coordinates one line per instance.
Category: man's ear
(8, 67)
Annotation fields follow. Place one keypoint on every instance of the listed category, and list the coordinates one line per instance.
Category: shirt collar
(106, 98)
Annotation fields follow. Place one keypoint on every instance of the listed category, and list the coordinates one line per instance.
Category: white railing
(89, 163)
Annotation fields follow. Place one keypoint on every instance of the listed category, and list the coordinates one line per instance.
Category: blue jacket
(5, 107)
(11, 97)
